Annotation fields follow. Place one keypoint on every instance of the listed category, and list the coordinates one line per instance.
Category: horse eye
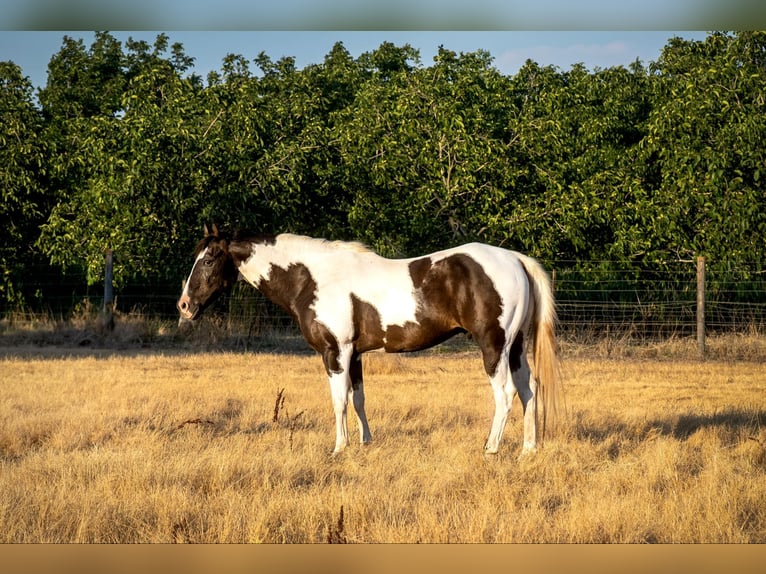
(207, 262)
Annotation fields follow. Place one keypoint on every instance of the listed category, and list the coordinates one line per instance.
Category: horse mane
(318, 243)
(243, 235)
(249, 236)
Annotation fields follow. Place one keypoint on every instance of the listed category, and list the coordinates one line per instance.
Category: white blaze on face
(184, 300)
(188, 279)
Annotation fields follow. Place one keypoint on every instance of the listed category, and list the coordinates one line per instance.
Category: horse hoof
(527, 452)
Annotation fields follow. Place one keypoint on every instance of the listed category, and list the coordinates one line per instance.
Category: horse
(348, 300)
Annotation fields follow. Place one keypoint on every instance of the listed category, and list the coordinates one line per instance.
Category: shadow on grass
(680, 427)
(53, 340)
(134, 336)
(731, 419)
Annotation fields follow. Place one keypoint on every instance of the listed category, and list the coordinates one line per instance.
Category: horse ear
(214, 231)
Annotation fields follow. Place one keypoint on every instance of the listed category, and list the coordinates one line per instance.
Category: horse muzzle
(189, 311)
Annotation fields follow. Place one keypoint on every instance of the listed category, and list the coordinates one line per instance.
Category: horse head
(213, 273)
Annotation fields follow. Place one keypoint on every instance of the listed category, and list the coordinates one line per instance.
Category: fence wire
(657, 300)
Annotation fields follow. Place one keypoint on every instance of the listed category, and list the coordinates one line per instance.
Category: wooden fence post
(108, 316)
(701, 306)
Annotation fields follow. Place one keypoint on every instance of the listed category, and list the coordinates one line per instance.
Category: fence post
(701, 305)
(108, 315)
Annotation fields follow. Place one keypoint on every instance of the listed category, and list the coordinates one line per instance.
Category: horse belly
(372, 331)
(417, 336)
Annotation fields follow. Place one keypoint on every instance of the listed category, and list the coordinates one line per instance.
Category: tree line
(125, 148)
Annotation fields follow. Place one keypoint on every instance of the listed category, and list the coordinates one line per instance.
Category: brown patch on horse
(295, 290)
(427, 330)
(514, 355)
(368, 330)
(244, 243)
(211, 276)
(455, 295)
(416, 336)
(205, 241)
(458, 294)
(418, 270)
(369, 333)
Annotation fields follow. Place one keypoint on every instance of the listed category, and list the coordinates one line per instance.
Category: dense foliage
(127, 150)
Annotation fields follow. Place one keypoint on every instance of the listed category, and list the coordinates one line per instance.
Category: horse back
(452, 291)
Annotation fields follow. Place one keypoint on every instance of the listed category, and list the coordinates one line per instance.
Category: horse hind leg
(524, 382)
(513, 376)
(500, 380)
(357, 397)
(502, 408)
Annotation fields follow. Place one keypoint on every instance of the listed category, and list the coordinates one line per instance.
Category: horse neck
(280, 268)
(255, 257)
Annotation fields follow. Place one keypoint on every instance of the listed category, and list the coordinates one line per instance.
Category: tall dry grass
(97, 446)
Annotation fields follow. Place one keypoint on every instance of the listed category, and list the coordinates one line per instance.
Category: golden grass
(146, 447)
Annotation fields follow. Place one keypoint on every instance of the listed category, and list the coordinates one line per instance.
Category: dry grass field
(152, 446)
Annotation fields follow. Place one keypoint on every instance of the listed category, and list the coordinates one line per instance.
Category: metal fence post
(701, 306)
(108, 317)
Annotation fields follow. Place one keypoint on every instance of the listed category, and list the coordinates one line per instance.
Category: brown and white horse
(348, 300)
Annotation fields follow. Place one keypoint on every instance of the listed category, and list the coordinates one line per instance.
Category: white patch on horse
(194, 266)
(337, 272)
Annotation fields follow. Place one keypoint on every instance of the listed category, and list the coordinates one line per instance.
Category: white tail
(546, 366)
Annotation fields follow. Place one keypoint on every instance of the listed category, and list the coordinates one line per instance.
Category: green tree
(423, 147)
(22, 181)
(128, 186)
(620, 166)
(300, 173)
(573, 135)
(703, 154)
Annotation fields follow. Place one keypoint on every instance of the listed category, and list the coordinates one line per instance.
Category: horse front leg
(357, 397)
(340, 388)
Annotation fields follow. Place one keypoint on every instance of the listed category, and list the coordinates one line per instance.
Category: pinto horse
(348, 300)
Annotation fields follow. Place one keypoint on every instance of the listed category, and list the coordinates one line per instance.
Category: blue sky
(32, 50)
(380, 14)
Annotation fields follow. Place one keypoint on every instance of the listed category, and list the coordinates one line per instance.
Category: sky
(596, 33)
(379, 14)
(32, 50)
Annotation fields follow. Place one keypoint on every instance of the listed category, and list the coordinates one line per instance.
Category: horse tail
(542, 332)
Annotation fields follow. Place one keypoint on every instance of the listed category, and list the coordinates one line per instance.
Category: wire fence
(594, 298)
(658, 300)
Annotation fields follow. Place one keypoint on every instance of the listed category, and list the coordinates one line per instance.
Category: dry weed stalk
(335, 535)
(279, 406)
(280, 402)
(180, 532)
